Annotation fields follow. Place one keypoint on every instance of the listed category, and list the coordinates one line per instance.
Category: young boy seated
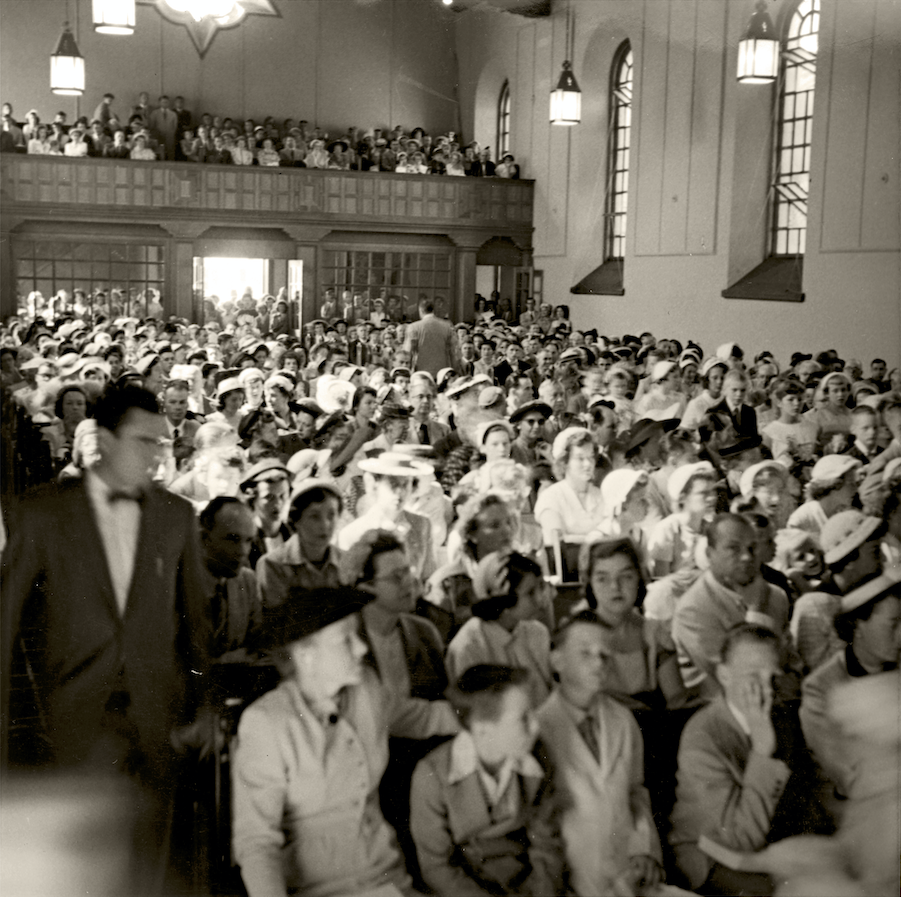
(864, 429)
(503, 630)
(610, 841)
(482, 815)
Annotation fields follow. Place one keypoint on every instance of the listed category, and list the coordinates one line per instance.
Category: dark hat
(542, 408)
(337, 143)
(249, 421)
(392, 411)
(887, 582)
(310, 407)
(644, 430)
(307, 611)
(743, 445)
(798, 357)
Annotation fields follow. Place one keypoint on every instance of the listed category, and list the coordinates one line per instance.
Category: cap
(541, 408)
(487, 426)
(489, 395)
(680, 477)
(846, 532)
(832, 467)
(616, 486)
(563, 439)
(261, 467)
(746, 484)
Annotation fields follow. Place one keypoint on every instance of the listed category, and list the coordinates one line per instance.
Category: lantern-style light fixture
(67, 67)
(758, 50)
(114, 16)
(566, 98)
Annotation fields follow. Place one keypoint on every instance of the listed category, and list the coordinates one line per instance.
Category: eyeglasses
(532, 421)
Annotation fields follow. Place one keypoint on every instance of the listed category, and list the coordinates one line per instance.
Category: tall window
(618, 143)
(793, 130)
(503, 122)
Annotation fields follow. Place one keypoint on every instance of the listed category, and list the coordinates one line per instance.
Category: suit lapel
(87, 539)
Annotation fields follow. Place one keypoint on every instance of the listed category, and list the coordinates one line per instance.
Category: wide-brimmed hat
(229, 384)
(395, 464)
(69, 364)
(464, 384)
(646, 429)
(887, 581)
(616, 486)
(845, 532)
(833, 467)
(306, 612)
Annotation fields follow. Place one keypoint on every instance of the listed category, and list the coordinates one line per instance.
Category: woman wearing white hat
(389, 480)
(663, 400)
(230, 398)
(713, 370)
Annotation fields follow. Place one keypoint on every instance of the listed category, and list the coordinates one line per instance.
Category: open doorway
(230, 279)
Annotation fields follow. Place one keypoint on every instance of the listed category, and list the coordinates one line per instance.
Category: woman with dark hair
(712, 373)
(364, 406)
(71, 408)
(643, 670)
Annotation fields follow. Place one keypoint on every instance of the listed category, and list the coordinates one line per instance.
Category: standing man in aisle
(431, 341)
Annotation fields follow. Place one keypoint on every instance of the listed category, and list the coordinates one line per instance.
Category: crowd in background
(171, 132)
(555, 611)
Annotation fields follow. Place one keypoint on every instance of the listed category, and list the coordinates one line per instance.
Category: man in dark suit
(732, 409)
(102, 597)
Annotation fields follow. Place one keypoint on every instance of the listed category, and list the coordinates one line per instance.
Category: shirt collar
(739, 718)
(465, 762)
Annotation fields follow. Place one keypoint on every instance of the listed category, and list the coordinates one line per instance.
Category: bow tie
(126, 495)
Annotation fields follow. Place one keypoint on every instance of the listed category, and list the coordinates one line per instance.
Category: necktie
(219, 605)
(424, 434)
(588, 730)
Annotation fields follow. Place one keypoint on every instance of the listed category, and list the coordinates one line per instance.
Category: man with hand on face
(742, 781)
(729, 592)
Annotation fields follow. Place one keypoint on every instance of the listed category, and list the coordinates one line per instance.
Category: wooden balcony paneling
(176, 190)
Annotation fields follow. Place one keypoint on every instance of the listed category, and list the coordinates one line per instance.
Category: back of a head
(214, 435)
(115, 404)
(426, 307)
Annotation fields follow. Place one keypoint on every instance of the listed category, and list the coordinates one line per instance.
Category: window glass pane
(621, 92)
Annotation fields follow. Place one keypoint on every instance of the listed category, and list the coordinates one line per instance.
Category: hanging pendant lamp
(566, 98)
(758, 50)
(114, 16)
(67, 67)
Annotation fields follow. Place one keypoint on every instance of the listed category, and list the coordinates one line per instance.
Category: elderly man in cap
(729, 592)
(869, 625)
(265, 488)
(851, 545)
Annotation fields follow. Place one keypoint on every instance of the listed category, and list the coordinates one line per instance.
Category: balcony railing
(179, 189)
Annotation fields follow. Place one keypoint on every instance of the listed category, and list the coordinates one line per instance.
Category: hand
(646, 872)
(204, 735)
(756, 703)
(491, 575)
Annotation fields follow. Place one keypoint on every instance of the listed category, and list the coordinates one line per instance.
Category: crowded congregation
(497, 524)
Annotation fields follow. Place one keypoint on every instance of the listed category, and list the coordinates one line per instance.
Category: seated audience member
(742, 780)
(529, 447)
(573, 505)
(481, 810)
(642, 668)
(307, 560)
(830, 414)
(832, 487)
(729, 592)
(791, 439)
(610, 841)
(850, 543)
(673, 541)
(309, 758)
(865, 430)
(503, 630)
(732, 410)
(140, 151)
(766, 486)
(389, 479)
(265, 488)
(869, 624)
(234, 611)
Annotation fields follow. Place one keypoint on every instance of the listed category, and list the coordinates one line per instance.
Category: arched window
(503, 122)
(791, 181)
(618, 142)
